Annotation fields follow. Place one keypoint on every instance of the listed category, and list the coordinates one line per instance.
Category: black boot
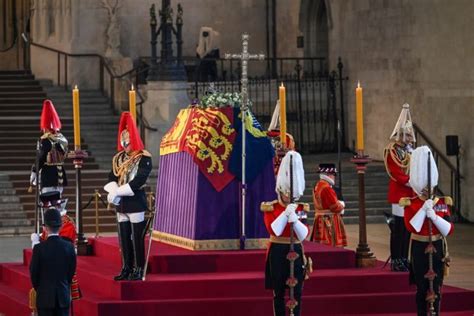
(398, 265)
(126, 248)
(138, 232)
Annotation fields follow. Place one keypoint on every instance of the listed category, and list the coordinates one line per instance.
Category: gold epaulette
(447, 200)
(267, 206)
(45, 135)
(146, 153)
(404, 201)
(305, 206)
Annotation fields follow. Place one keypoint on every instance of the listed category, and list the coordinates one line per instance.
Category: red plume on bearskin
(127, 122)
(49, 117)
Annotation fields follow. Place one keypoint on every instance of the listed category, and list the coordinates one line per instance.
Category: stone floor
(460, 249)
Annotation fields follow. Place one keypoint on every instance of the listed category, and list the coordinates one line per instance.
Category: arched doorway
(14, 18)
(315, 21)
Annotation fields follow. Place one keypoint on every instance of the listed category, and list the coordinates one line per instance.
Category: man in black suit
(51, 269)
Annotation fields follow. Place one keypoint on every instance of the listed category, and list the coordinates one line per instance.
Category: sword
(291, 282)
(430, 249)
(150, 231)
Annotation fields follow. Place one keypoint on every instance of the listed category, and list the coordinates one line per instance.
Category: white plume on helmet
(283, 177)
(275, 122)
(404, 126)
(419, 169)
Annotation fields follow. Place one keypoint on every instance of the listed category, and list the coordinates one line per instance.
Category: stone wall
(419, 52)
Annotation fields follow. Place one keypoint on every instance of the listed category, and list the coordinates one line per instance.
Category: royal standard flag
(259, 150)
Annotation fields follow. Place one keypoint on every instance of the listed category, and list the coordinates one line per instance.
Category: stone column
(164, 100)
(67, 20)
(59, 20)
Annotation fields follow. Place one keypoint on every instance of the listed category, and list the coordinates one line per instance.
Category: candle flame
(282, 85)
(358, 84)
(133, 87)
(75, 87)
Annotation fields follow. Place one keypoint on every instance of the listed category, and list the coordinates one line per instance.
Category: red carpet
(228, 283)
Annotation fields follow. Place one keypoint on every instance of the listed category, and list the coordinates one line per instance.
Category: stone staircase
(21, 98)
(376, 182)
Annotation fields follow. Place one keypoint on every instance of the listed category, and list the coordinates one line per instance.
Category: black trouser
(126, 247)
(138, 239)
(277, 272)
(54, 312)
(419, 266)
(399, 239)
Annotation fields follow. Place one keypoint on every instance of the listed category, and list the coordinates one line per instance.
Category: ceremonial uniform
(280, 151)
(278, 217)
(131, 167)
(52, 151)
(397, 163)
(418, 212)
(328, 226)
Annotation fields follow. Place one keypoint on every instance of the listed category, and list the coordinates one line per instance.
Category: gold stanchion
(97, 196)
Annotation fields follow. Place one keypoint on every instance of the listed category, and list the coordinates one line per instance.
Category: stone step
(22, 82)
(21, 167)
(31, 159)
(23, 100)
(21, 147)
(60, 92)
(368, 203)
(24, 76)
(67, 99)
(17, 231)
(369, 220)
(22, 94)
(20, 88)
(12, 215)
(8, 190)
(9, 199)
(8, 206)
(12, 222)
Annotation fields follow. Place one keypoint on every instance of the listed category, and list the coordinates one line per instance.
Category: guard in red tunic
(328, 224)
(419, 211)
(278, 215)
(397, 162)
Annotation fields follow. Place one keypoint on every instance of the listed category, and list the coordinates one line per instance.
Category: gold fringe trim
(208, 244)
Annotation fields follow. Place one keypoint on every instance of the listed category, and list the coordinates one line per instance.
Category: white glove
(292, 217)
(342, 212)
(428, 205)
(112, 198)
(343, 203)
(124, 190)
(111, 187)
(35, 239)
(431, 214)
(33, 178)
(291, 208)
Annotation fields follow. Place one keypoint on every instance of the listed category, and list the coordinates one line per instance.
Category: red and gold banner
(207, 135)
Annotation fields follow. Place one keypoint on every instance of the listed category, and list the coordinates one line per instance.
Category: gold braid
(122, 164)
(403, 163)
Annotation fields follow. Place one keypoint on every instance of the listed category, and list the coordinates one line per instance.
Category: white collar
(327, 179)
(50, 235)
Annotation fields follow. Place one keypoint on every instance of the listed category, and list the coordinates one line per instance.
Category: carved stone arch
(315, 21)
